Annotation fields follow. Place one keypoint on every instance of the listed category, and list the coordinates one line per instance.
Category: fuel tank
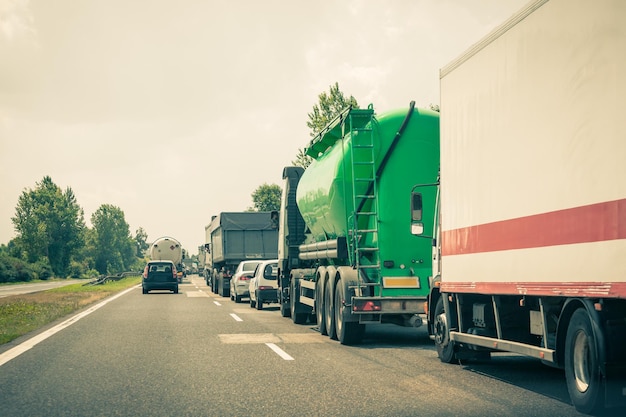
(400, 146)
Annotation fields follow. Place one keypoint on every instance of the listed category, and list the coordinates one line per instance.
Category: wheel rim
(581, 361)
(441, 330)
(339, 306)
(328, 313)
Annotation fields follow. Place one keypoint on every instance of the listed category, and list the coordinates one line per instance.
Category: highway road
(198, 354)
(16, 289)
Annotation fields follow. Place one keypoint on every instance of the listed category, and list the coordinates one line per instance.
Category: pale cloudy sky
(174, 111)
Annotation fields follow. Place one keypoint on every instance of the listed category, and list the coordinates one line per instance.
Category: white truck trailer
(167, 248)
(532, 238)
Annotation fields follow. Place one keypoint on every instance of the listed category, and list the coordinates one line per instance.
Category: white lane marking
(236, 317)
(217, 303)
(23, 347)
(279, 351)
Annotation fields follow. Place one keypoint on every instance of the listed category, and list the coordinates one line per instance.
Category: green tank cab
(355, 228)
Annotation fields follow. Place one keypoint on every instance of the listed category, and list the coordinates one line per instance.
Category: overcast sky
(175, 111)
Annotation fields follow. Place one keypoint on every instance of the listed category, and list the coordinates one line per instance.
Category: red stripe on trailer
(563, 289)
(592, 223)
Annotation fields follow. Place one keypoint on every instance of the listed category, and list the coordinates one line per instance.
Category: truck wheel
(319, 308)
(285, 308)
(294, 304)
(445, 347)
(329, 313)
(348, 333)
(582, 373)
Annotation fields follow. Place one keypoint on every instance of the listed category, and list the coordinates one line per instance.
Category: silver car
(264, 284)
(240, 282)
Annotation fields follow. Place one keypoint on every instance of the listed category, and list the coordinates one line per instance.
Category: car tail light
(366, 305)
(244, 278)
(265, 287)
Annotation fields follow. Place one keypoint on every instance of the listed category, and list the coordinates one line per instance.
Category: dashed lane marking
(251, 338)
(236, 317)
(195, 294)
(279, 352)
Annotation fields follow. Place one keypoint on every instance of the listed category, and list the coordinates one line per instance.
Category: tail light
(366, 305)
(145, 273)
(265, 287)
(174, 273)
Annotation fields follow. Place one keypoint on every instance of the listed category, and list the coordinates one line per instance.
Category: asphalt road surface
(16, 289)
(198, 354)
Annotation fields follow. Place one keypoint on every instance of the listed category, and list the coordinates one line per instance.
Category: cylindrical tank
(324, 194)
(166, 249)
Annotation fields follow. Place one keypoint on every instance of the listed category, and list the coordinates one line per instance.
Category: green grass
(21, 314)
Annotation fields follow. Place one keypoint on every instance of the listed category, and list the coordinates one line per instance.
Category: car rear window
(270, 271)
(250, 266)
(160, 268)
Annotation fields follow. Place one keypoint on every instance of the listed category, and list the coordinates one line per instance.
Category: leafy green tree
(49, 224)
(329, 106)
(141, 238)
(266, 197)
(115, 248)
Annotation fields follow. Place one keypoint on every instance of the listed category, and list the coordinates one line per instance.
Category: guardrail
(103, 279)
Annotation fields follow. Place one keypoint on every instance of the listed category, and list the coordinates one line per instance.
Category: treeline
(53, 240)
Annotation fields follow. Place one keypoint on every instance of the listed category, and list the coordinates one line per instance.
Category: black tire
(285, 310)
(294, 304)
(329, 313)
(143, 290)
(348, 333)
(237, 298)
(441, 330)
(259, 303)
(252, 303)
(582, 370)
(176, 291)
(319, 308)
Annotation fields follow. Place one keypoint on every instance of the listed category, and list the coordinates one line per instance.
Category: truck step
(367, 230)
(372, 266)
(367, 249)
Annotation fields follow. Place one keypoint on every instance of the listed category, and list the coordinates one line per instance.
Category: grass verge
(20, 314)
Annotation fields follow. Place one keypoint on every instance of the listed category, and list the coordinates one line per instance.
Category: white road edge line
(236, 317)
(279, 352)
(23, 347)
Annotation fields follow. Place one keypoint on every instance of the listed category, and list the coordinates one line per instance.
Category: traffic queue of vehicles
(500, 226)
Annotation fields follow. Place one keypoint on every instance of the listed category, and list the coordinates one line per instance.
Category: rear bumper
(268, 296)
(148, 286)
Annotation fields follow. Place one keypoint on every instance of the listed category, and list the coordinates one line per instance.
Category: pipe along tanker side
(355, 231)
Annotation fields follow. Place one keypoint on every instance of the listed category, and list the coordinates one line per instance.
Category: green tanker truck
(356, 227)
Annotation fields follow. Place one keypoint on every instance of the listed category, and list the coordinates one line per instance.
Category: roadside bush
(15, 270)
(42, 269)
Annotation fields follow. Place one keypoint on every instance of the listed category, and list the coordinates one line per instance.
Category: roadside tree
(330, 105)
(115, 249)
(266, 198)
(49, 225)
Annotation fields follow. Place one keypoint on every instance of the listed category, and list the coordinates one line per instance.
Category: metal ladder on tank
(364, 219)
